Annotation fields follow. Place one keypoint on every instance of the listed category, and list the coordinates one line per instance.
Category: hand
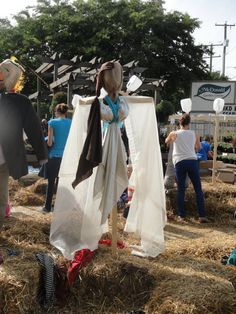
(42, 162)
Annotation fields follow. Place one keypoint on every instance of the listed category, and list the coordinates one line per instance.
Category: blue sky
(208, 12)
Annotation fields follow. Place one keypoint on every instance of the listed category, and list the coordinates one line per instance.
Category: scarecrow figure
(97, 170)
(16, 115)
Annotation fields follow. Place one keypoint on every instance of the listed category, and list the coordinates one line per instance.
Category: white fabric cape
(76, 218)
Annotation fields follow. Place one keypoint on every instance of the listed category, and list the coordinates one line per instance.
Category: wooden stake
(114, 230)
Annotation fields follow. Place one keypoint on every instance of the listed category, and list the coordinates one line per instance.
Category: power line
(226, 41)
(212, 54)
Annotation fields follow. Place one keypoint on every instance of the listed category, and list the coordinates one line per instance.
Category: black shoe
(44, 209)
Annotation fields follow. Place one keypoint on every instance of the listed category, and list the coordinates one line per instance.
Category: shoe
(203, 220)
(181, 219)
(45, 210)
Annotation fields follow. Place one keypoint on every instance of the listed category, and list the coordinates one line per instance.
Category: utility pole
(212, 54)
(226, 41)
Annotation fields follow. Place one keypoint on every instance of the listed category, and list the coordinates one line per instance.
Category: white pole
(215, 148)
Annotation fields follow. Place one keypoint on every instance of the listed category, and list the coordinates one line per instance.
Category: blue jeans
(191, 168)
(52, 171)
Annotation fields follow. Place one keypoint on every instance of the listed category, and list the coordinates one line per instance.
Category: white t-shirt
(2, 159)
(184, 146)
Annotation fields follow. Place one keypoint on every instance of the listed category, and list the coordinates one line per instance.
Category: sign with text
(205, 92)
(229, 109)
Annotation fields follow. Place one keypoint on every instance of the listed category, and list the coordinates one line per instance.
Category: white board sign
(205, 92)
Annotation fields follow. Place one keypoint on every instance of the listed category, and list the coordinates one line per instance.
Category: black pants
(52, 170)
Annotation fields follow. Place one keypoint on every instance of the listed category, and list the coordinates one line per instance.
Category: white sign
(229, 109)
(205, 92)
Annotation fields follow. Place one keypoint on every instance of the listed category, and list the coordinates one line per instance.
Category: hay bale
(24, 197)
(29, 179)
(187, 278)
(19, 283)
(39, 187)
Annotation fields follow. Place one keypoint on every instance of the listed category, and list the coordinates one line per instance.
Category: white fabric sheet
(76, 222)
(111, 179)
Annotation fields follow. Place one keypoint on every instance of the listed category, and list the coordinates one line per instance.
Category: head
(185, 120)
(10, 74)
(61, 110)
(110, 77)
(207, 138)
(44, 123)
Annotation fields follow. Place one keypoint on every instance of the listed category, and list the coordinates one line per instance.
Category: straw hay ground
(187, 278)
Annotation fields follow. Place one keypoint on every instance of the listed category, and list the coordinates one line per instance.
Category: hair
(61, 108)
(185, 119)
(207, 138)
(113, 79)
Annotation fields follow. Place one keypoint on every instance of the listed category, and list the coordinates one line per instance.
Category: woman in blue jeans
(58, 131)
(185, 144)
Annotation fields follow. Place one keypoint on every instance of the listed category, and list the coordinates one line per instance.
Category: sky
(209, 12)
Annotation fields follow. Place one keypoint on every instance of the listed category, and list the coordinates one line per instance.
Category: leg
(4, 175)
(181, 177)
(53, 167)
(193, 172)
(49, 193)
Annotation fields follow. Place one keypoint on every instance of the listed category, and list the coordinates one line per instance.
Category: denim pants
(52, 171)
(190, 168)
(4, 175)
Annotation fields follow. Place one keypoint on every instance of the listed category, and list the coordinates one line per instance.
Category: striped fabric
(47, 281)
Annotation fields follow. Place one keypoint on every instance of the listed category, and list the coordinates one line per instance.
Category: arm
(32, 128)
(210, 154)
(197, 143)
(171, 138)
(50, 136)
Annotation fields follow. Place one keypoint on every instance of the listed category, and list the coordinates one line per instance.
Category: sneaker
(203, 220)
(45, 210)
(181, 219)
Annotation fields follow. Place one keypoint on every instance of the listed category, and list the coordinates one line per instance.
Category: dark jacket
(16, 115)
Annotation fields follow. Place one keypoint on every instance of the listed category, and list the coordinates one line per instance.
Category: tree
(122, 29)
(163, 110)
(58, 98)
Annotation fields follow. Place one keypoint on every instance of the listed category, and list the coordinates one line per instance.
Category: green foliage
(163, 110)
(217, 76)
(58, 98)
(122, 29)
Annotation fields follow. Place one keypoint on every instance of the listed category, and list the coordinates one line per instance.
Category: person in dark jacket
(16, 115)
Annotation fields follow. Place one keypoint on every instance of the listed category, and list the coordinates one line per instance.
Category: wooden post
(215, 148)
(69, 94)
(38, 97)
(114, 230)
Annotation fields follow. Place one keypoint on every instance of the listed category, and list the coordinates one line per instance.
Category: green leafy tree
(163, 110)
(58, 98)
(122, 29)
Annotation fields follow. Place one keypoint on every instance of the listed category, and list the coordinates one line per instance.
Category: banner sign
(205, 92)
(229, 109)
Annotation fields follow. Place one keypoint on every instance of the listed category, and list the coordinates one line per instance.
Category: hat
(10, 73)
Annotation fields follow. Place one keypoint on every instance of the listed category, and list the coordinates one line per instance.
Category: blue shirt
(61, 128)
(202, 154)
